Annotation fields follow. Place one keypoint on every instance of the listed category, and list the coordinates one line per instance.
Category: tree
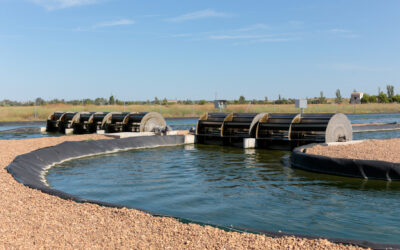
(390, 90)
(156, 101)
(164, 101)
(202, 102)
(383, 98)
(39, 101)
(396, 98)
(100, 101)
(322, 98)
(111, 100)
(373, 99)
(242, 100)
(365, 98)
(339, 98)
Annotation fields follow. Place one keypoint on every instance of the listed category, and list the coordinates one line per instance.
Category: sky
(138, 50)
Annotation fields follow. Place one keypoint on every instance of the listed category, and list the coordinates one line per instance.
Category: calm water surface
(231, 186)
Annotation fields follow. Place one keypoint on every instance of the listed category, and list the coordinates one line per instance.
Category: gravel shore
(30, 219)
(382, 150)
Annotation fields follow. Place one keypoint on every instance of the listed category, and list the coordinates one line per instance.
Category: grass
(177, 110)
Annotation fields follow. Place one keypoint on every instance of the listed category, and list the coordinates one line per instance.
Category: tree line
(381, 97)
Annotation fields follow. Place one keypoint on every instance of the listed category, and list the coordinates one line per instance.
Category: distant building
(220, 104)
(356, 97)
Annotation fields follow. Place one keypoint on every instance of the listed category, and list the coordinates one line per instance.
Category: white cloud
(339, 31)
(258, 26)
(61, 4)
(202, 14)
(119, 22)
(274, 40)
(234, 37)
(344, 33)
(267, 40)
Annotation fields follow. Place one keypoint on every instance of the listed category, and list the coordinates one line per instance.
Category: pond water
(7, 132)
(232, 186)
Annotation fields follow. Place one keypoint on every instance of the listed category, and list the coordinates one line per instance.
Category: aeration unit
(110, 122)
(272, 130)
(257, 130)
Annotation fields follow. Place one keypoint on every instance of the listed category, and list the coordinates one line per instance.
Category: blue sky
(137, 50)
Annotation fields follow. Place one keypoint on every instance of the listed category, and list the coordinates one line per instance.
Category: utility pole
(35, 111)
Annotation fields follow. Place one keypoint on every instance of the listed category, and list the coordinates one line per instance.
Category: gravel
(30, 219)
(382, 150)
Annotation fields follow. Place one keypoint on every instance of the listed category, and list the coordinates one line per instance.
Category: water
(4, 135)
(232, 186)
(181, 124)
(367, 118)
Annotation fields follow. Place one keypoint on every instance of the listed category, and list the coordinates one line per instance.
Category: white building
(220, 104)
(356, 97)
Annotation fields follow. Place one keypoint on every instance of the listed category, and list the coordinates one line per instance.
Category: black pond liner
(29, 168)
(367, 169)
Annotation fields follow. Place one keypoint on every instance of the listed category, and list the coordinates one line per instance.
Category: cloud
(120, 22)
(267, 40)
(344, 33)
(235, 37)
(341, 31)
(202, 14)
(258, 26)
(252, 39)
(274, 40)
(61, 4)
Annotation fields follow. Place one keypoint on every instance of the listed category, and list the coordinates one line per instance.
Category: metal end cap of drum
(339, 129)
(151, 121)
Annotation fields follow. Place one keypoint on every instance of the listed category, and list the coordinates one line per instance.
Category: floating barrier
(110, 122)
(273, 130)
